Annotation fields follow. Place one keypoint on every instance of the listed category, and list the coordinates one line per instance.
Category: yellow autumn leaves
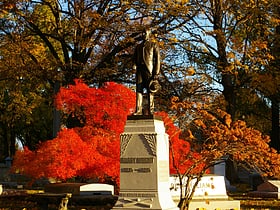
(219, 135)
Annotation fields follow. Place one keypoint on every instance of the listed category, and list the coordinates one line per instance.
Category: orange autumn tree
(212, 133)
(90, 150)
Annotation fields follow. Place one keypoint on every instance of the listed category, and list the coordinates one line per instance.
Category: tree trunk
(9, 141)
(56, 113)
(229, 94)
(275, 101)
(275, 131)
(222, 63)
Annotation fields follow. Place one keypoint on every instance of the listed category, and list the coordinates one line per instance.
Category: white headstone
(97, 189)
(220, 169)
(80, 188)
(210, 193)
(210, 187)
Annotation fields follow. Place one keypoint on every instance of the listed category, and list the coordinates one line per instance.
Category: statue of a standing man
(147, 64)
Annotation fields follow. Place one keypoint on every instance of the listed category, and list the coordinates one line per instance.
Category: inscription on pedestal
(143, 170)
(152, 195)
(139, 170)
(127, 170)
(137, 160)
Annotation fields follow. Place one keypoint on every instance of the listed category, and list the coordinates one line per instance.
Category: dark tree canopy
(209, 48)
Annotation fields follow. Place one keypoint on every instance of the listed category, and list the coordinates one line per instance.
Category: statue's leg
(139, 102)
(151, 103)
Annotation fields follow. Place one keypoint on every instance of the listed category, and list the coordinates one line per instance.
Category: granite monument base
(144, 166)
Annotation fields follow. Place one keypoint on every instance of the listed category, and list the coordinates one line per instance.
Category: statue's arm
(156, 60)
(134, 58)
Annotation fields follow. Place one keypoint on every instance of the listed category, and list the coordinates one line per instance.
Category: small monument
(144, 178)
(270, 186)
(81, 189)
(210, 193)
(268, 189)
(220, 169)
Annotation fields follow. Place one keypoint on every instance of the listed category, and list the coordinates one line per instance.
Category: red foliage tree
(53, 157)
(106, 107)
(90, 151)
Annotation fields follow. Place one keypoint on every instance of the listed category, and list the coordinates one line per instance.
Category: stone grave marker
(81, 189)
(220, 169)
(268, 189)
(270, 186)
(209, 194)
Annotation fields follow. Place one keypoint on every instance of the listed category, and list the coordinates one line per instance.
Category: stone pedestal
(144, 177)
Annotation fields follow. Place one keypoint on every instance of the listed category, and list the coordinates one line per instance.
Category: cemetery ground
(29, 198)
(26, 200)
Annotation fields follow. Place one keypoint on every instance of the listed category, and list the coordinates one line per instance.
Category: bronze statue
(147, 65)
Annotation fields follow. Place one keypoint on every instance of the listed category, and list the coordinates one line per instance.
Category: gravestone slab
(220, 169)
(210, 193)
(210, 186)
(80, 189)
(144, 166)
(270, 186)
(268, 189)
